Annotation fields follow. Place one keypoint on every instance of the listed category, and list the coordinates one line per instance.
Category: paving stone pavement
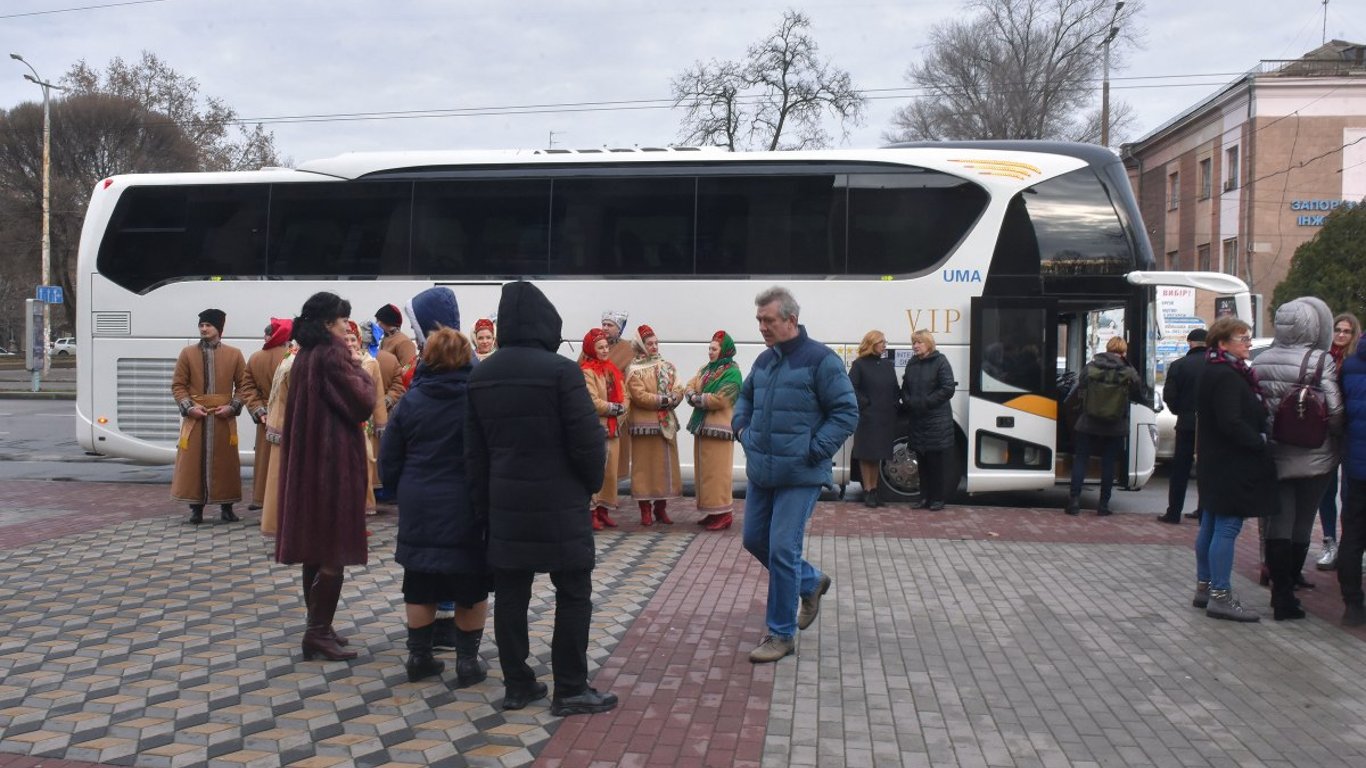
(975, 637)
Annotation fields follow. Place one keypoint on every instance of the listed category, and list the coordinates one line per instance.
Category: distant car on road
(63, 347)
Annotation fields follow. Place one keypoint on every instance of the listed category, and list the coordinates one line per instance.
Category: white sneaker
(1328, 561)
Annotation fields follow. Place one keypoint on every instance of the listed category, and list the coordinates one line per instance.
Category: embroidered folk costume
(607, 388)
(654, 392)
(712, 394)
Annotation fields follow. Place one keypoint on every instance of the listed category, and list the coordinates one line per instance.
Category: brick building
(1237, 182)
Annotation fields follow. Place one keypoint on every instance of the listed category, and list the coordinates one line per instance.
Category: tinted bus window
(340, 230)
(481, 228)
(1076, 226)
(160, 234)
(780, 225)
(901, 223)
(606, 226)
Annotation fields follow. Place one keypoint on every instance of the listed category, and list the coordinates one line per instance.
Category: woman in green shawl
(712, 394)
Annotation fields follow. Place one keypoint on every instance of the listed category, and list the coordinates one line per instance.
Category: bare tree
(1018, 69)
(777, 98)
(224, 143)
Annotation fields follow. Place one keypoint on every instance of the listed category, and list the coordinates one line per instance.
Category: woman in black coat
(440, 541)
(879, 396)
(1231, 420)
(927, 387)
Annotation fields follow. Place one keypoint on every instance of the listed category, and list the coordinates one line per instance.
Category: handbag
(1302, 416)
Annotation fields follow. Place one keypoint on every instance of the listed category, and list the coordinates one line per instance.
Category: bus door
(1012, 413)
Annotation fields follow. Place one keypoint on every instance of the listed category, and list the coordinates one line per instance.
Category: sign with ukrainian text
(1312, 212)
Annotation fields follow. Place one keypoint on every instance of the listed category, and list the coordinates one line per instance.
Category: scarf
(665, 375)
(607, 371)
(1217, 356)
(717, 377)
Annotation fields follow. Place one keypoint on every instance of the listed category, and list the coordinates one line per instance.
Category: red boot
(606, 518)
(596, 514)
(708, 520)
(646, 518)
(661, 515)
(721, 523)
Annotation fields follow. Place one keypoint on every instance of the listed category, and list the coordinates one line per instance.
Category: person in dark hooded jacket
(1098, 435)
(535, 453)
(1354, 498)
(440, 540)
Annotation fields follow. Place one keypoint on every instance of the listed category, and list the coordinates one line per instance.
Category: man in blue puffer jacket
(796, 408)
(1354, 505)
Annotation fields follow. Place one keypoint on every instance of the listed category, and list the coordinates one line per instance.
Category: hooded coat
(1303, 327)
(423, 458)
(534, 449)
(1354, 397)
(323, 472)
(1077, 397)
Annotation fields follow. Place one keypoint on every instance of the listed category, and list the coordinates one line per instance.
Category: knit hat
(484, 324)
(389, 315)
(214, 317)
(617, 318)
(432, 309)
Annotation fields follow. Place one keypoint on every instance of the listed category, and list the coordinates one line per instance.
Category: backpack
(1106, 397)
(1302, 416)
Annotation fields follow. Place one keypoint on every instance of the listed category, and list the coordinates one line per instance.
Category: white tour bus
(1014, 254)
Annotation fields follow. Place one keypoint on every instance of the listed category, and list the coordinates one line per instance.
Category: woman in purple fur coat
(323, 471)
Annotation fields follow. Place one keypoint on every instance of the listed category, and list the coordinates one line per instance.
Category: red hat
(280, 329)
(645, 332)
(352, 328)
(590, 340)
(484, 323)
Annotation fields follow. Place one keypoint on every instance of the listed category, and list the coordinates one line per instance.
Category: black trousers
(1183, 460)
(933, 474)
(1353, 540)
(568, 646)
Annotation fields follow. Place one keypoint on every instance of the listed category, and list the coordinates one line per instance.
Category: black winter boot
(196, 514)
(469, 668)
(227, 514)
(1299, 553)
(1280, 561)
(420, 661)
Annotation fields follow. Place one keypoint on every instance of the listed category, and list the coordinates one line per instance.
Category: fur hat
(214, 317)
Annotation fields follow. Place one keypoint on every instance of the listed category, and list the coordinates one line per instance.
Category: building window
(1173, 260)
(1230, 264)
(1202, 258)
(1173, 190)
(1206, 178)
(1230, 169)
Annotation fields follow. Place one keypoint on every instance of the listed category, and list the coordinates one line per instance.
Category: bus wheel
(900, 475)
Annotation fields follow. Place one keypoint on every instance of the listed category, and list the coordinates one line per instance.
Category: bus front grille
(146, 409)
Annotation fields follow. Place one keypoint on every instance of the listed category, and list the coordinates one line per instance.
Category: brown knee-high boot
(311, 575)
(322, 606)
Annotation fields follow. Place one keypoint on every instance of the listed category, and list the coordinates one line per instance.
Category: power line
(79, 8)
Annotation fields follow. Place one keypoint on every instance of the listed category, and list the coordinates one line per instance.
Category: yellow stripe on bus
(1038, 405)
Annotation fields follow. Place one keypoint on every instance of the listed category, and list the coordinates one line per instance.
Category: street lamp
(38, 80)
(1105, 81)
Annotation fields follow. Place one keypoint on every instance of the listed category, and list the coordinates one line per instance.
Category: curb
(37, 395)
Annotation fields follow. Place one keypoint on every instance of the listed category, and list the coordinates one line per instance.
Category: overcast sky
(283, 58)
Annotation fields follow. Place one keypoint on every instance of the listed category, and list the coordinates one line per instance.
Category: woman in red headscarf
(604, 381)
(485, 343)
(655, 393)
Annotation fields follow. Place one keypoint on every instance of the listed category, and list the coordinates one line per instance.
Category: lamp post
(1105, 80)
(38, 80)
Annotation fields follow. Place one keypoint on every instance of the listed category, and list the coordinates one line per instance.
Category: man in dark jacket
(796, 408)
(1101, 434)
(1179, 393)
(534, 454)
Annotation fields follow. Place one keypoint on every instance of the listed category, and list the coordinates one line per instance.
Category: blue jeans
(775, 525)
(1214, 548)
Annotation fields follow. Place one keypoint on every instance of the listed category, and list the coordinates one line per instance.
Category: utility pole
(1105, 80)
(1325, 22)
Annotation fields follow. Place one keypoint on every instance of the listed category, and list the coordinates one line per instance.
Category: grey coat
(1302, 325)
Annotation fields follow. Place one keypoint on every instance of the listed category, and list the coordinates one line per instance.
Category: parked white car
(1166, 420)
(63, 347)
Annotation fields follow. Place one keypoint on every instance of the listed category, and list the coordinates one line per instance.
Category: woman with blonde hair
(440, 541)
(607, 389)
(1106, 385)
(712, 394)
(1346, 334)
(655, 393)
(373, 427)
(879, 397)
(927, 388)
